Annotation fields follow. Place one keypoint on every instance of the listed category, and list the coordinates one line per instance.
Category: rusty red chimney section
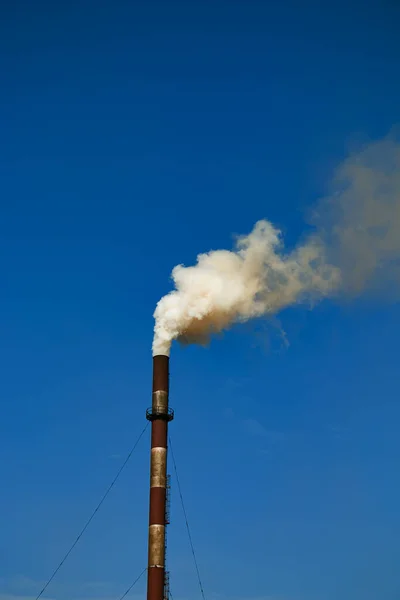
(159, 414)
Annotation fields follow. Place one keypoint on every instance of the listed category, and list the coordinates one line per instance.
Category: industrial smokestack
(355, 247)
(159, 415)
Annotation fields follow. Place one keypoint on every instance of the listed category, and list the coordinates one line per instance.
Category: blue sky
(133, 136)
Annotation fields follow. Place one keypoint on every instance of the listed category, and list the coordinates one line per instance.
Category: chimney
(159, 415)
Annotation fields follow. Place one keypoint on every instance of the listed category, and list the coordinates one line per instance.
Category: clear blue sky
(133, 136)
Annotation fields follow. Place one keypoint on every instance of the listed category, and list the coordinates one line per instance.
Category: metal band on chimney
(158, 468)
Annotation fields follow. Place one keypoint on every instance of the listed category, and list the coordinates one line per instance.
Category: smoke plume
(355, 246)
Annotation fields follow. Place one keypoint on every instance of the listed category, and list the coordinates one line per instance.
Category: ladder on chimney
(167, 522)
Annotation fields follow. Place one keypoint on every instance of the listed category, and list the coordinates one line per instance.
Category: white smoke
(356, 241)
